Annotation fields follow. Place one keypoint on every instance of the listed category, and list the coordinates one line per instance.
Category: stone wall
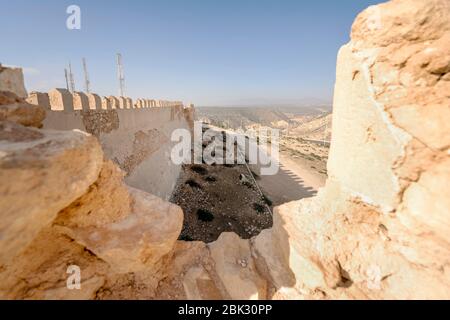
(135, 136)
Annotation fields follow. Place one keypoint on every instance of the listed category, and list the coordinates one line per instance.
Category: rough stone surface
(114, 102)
(106, 201)
(236, 269)
(11, 79)
(379, 229)
(61, 99)
(80, 101)
(95, 102)
(40, 271)
(77, 215)
(391, 67)
(15, 109)
(39, 98)
(102, 121)
(138, 241)
(50, 169)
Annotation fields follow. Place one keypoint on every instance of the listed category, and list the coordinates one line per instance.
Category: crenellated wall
(136, 136)
(62, 99)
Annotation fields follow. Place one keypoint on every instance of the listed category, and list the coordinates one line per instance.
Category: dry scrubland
(302, 130)
(379, 229)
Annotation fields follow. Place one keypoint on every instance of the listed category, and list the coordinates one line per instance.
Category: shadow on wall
(285, 186)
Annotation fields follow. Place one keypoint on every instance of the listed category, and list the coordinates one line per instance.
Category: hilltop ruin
(379, 229)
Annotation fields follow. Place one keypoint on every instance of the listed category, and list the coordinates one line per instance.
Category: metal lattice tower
(120, 75)
(67, 78)
(71, 80)
(87, 83)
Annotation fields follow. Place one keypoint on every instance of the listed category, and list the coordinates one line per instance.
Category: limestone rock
(236, 269)
(15, 109)
(106, 201)
(391, 98)
(138, 241)
(198, 285)
(11, 79)
(8, 97)
(379, 228)
(87, 291)
(51, 169)
(364, 142)
(39, 98)
(106, 103)
(40, 271)
(190, 274)
(401, 21)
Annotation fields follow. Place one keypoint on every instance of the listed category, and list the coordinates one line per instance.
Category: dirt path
(293, 181)
(299, 176)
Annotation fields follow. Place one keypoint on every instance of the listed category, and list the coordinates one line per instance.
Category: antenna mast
(72, 81)
(86, 77)
(120, 75)
(67, 78)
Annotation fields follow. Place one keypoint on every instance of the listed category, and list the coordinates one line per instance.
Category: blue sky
(209, 52)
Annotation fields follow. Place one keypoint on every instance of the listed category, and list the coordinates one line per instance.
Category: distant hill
(317, 128)
(307, 122)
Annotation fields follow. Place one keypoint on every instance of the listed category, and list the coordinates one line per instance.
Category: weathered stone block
(61, 99)
(139, 103)
(114, 102)
(130, 103)
(106, 103)
(95, 102)
(39, 98)
(50, 169)
(11, 79)
(80, 101)
(15, 109)
(140, 240)
(122, 103)
(236, 269)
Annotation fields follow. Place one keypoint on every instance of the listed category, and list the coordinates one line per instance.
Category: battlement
(63, 100)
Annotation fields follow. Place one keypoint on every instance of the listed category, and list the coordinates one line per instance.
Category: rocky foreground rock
(378, 230)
